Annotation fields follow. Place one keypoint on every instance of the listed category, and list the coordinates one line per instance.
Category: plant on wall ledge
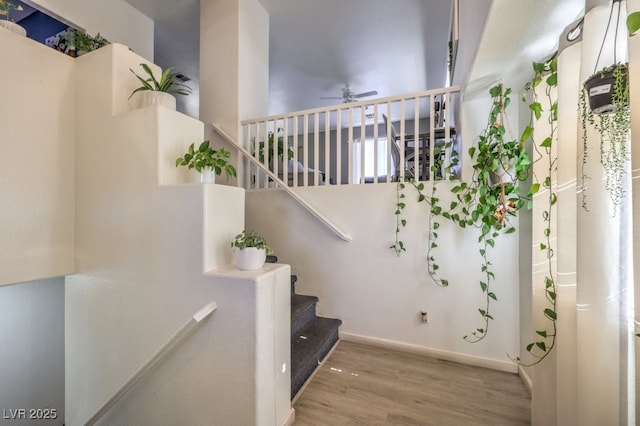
(6, 7)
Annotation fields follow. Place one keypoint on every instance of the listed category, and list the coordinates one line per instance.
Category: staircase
(312, 337)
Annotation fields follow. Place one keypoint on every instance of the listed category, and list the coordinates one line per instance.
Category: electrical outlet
(424, 316)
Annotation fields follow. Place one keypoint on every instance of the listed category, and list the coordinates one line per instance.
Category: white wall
(375, 293)
(36, 166)
(32, 350)
(141, 247)
(116, 20)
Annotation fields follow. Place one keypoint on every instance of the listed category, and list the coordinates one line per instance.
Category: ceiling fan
(349, 96)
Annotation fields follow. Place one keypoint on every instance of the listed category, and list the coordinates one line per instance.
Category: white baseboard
(477, 361)
(526, 379)
(291, 418)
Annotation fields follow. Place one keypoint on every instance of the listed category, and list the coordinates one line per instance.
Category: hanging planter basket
(601, 89)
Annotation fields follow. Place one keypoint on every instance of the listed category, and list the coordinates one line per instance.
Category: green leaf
(529, 347)
(546, 143)
(542, 346)
(542, 333)
(493, 296)
(633, 23)
(536, 108)
(526, 134)
(551, 314)
(552, 80)
(538, 67)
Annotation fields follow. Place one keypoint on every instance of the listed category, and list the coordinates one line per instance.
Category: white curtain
(634, 86)
(590, 379)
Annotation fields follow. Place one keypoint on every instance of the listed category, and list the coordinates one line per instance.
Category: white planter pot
(506, 175)
(152, 97)
(250, 258)
(12, 26)
(207, 176)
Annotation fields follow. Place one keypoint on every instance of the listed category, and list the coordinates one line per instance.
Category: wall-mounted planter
(152, 97)
(600, 88)
(250, 258)
(12, 26)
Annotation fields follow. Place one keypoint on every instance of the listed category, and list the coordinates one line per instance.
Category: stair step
(303, 311)
(309, 346)
(271, 258)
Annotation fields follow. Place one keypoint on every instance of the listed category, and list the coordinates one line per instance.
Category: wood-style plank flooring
(366, 385)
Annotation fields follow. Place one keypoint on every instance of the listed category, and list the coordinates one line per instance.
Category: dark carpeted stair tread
(309, 346)
(303, 311)
(271, 258)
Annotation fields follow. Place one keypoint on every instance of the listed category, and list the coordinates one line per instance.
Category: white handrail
(171, 343)
(340, 233)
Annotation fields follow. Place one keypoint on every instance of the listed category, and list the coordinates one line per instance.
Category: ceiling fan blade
(365, 94)
(330, 97)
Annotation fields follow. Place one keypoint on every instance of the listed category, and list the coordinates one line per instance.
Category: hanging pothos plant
(607, 94)
(500, 163)
(493, 195)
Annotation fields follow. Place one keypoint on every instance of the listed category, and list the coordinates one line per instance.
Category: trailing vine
(614, 127)
(547, 72)
(434, 208)
(493, 194)
(486, 202)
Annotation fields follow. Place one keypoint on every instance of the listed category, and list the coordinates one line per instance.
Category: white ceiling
(391, 46)
(318, 47)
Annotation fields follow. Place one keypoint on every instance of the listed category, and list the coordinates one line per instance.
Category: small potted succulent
(159, 92)
(251, 250)
(207, 162)
(5, 8)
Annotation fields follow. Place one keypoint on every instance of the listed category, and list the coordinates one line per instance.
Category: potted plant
(251, 250)
(269, 145)
(604, 105)
(85, 43)
(5, 8)
(159, 92)
(207, 162)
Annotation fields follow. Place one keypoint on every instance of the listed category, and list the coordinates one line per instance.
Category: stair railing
(196, 318)
(304, 203)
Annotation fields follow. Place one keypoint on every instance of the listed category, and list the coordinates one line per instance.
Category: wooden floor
(365, 385)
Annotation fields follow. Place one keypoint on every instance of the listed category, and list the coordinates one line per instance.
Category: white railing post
(269, 174)
(398, 112)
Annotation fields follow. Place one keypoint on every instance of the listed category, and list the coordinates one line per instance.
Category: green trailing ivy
(545, 109)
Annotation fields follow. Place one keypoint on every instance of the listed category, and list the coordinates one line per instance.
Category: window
(371, 168)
